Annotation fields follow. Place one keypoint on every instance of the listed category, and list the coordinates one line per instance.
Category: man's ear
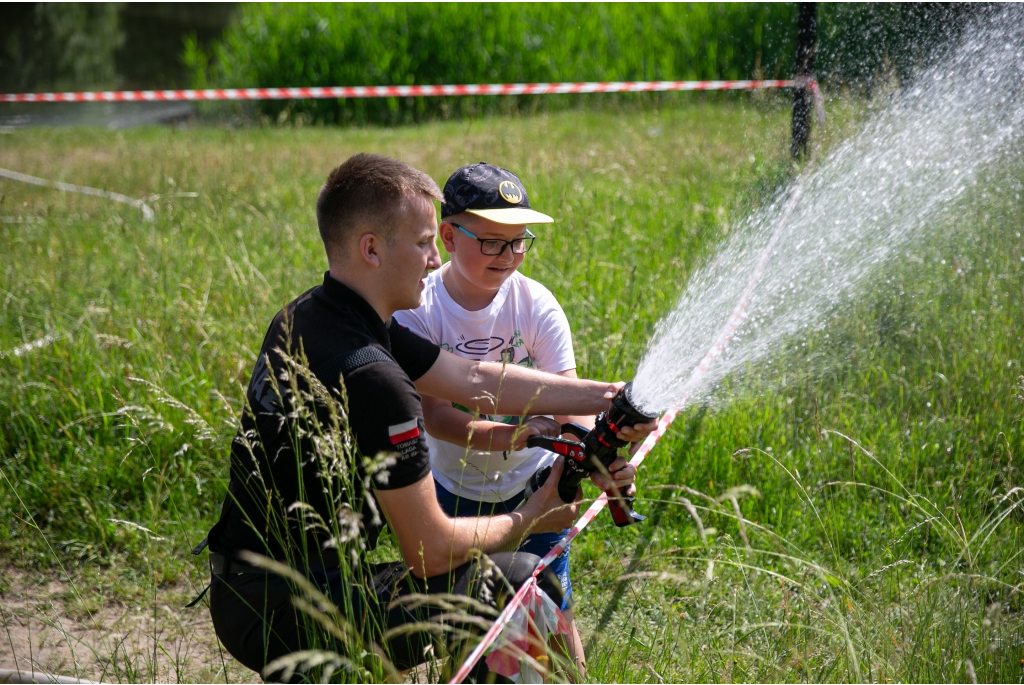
(369, 246)
(447, 233)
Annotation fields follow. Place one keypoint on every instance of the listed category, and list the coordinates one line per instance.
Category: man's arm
(510, 389)
(385, 415)
(432, 543)
(586, 420)
(445, 422)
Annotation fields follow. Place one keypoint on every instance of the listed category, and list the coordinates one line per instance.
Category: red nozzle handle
(569, 448)
(622, 512)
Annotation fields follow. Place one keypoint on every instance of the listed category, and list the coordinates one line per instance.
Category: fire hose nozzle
(595, 450)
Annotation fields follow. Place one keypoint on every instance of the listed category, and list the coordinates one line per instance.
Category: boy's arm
(445, 422)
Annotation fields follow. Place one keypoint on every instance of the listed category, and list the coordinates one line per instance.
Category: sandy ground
(43, 628)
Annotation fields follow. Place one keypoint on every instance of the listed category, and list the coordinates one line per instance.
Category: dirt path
(43, 628)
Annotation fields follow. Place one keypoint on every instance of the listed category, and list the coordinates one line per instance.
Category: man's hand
(549, 513)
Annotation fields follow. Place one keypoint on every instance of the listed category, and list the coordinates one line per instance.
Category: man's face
(484, 272)
(411, 253)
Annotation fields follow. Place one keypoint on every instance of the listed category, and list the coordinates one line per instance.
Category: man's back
(334, 332)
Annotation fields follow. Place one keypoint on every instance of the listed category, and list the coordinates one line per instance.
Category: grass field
(855, 518)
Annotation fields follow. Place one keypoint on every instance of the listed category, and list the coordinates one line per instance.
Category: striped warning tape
(739, 313)
(345, 92)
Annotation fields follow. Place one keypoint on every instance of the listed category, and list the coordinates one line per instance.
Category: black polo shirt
(276, 462)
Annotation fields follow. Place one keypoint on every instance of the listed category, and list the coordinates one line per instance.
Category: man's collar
(342, 294)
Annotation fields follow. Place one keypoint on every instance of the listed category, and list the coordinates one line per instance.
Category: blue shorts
(538, 543)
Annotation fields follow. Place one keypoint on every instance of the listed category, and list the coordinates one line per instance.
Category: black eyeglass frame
(526, 242)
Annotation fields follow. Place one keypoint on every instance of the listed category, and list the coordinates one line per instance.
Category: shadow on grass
(653, 523)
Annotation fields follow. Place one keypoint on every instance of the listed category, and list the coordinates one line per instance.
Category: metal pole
(806, 47)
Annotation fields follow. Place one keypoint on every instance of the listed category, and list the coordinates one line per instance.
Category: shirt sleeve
(414, 353)
(388, 417)
(414, 320)
(552, 347)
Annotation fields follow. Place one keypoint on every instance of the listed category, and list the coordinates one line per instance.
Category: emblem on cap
(510, 192)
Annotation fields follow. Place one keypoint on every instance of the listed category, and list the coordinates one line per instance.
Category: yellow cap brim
(512, 216)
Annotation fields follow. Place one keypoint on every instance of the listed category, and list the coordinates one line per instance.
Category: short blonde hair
(367, 190)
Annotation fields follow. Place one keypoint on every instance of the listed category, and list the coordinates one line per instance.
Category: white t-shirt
(524, 325)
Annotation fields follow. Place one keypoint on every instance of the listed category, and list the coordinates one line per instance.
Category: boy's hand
(637, 434)
(622, 476)
(535, 425)
(622, 472)
(550, 513)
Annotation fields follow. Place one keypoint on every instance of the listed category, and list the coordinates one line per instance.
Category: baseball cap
(492, 193)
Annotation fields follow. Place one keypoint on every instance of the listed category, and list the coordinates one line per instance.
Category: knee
(548, 582)
(517, 567)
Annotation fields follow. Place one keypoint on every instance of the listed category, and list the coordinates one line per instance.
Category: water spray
(871, 202)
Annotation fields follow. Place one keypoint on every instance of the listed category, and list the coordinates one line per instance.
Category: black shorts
(257, 622)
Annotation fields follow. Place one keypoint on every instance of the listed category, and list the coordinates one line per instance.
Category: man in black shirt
(334, 359)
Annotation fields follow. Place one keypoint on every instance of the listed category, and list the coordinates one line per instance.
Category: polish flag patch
(404, 432)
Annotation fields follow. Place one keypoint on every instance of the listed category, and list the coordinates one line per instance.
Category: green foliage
(356, 44)
(59, 45)
(312, 44)
(895, 557)
(868, 43)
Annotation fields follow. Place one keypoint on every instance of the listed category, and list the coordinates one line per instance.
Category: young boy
(478, 306)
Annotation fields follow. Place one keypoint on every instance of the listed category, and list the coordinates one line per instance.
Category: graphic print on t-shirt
(508, 356)
(479, 346)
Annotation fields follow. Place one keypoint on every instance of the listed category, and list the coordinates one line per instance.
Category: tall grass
(856, 500)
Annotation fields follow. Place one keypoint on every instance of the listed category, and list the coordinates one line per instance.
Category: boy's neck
(466, 295)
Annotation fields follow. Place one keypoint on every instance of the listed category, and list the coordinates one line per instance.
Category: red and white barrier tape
(739, 312)
(345, 92)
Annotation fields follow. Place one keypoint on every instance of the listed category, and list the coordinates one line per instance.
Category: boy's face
(485, 272)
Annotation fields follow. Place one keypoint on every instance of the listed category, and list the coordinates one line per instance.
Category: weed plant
(852, 512)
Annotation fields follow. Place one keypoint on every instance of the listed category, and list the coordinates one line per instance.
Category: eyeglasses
(493, 247)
